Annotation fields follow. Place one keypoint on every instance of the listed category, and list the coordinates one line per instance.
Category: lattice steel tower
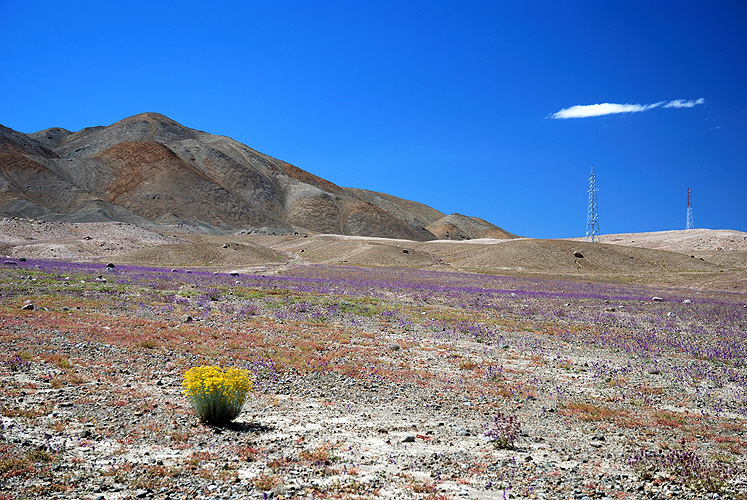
(689, 223)
(592, 214)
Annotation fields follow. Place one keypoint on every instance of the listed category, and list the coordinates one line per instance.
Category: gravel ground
(88, 413)
(75, 241)
(379, 438)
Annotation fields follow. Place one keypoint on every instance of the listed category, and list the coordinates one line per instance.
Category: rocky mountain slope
(150, 170)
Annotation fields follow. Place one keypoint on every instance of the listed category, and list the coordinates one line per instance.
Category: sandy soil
(692, 240)
(700, 258)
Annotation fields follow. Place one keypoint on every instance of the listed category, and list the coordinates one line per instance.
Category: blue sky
(458, 105)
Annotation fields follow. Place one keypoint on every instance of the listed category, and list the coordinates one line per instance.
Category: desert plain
(383, 368)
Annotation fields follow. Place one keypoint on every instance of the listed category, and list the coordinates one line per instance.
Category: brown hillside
(414, 214)
(152, 181)
(36, 187)
(461, 227)
(307, 178)
(365, 219)
(16, 142)
(150, 169)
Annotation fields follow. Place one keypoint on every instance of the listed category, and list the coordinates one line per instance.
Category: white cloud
(681, 103)
(608, 108)
(605, 108)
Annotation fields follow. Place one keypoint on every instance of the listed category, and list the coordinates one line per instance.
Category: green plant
(266, 482)
(418, 487)
(504, 431)
(13, 462)
(19, 363)
(321, 455)
(683, 467)
(40, 455)
(217, 395)
(62, 362)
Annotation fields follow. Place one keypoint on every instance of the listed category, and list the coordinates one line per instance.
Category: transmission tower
(689, 223)
(592, 214)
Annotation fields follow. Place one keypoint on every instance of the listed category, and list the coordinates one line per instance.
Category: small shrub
(468, 365)
(32, 463)
(217, 395)
(538, 360)
(266, 482)
(27, 412)
(14, 464)
(683, 467)
(18, 363)
(588, 412)
(39, 455)
(670, 418)
(320, 455)
(439, 496)
(62, 362)
(179, 437)
(76, 379)
(147, 344)
(504, 432)
(417, 487)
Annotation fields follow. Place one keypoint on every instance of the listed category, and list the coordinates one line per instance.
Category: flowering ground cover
(368, 383)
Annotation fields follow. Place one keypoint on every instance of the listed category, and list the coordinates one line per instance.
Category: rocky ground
(369, 384)
(75, 241)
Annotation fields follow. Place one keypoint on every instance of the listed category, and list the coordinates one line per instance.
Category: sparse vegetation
(683, 467)
(504, 431)
(357, 371)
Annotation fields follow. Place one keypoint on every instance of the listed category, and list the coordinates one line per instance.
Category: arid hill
(690, 264)
(150, 171)
(689, 240)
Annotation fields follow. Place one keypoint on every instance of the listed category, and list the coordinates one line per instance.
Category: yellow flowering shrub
(216, 394)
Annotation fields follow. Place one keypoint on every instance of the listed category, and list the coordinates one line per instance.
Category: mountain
(149, 170)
